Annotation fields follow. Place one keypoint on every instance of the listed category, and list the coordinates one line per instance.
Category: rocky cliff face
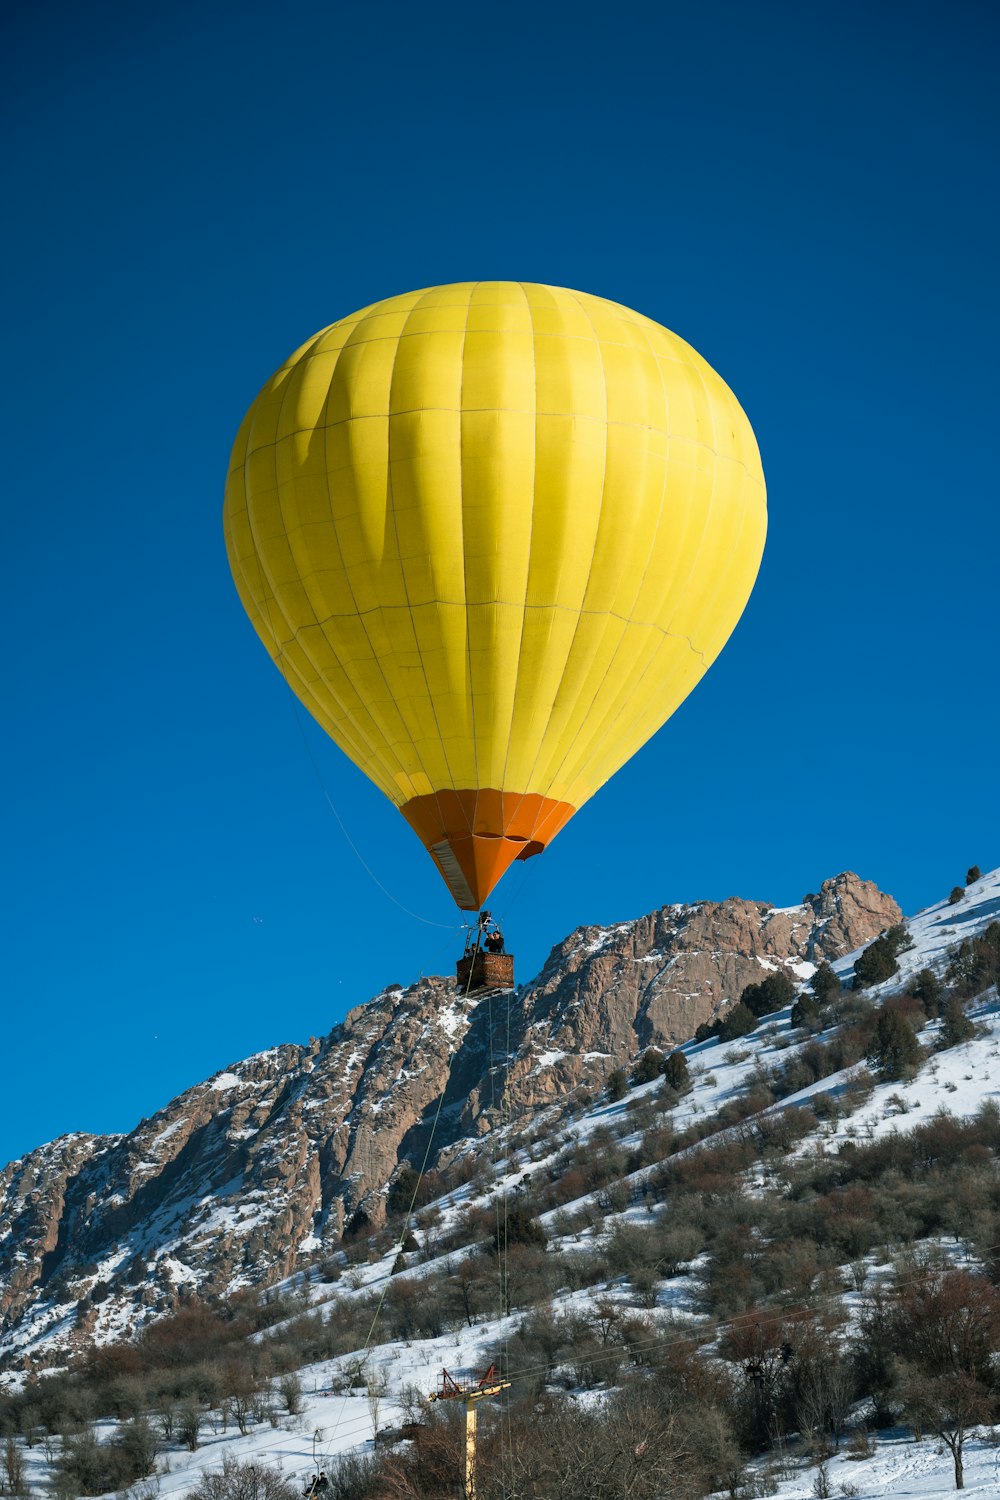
(607, 993)
(241, 1179)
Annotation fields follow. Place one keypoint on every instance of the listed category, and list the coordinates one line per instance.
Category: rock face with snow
(233, 1180)
(240, 1179)
(607, 993)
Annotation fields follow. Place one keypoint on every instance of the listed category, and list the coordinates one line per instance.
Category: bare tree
(945, 1326)
(243, 1481)
(291, 1393)
(189, 1425)
(166, 1414)
(823, 1393)
(136, 1441)
(472, 1288)
(14, 1469)
(948, 1405)
(244, 1395)
(605, 1317)
(30, 1423)
(377, 1387)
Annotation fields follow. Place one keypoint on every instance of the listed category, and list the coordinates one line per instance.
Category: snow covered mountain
(672, 1223)
(253, 1174)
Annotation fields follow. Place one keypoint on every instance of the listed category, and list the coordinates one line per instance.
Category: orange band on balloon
(474, 836)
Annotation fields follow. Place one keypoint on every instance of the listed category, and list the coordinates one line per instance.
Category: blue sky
(805, 193)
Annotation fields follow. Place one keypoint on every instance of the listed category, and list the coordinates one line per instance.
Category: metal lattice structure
(470, 1392)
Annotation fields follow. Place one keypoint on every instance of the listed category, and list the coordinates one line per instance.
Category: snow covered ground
(899, 1466)
(906, 1470)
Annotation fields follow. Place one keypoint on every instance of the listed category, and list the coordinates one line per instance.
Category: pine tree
(519, 1228)
(876, 963)
(805, 1012)
(926, 988)
(771, 994)
(737, 1022)
(617, 1085)
(824, 984)
(401, 1193)
(676, 1074)
(955, 1024)
(649, 1065)
(895, 1053)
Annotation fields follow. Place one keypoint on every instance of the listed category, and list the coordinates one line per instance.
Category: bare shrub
(243, 1481)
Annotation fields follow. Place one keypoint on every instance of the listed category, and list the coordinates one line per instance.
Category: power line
(701, 1336)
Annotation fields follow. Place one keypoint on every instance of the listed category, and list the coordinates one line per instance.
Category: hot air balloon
(493, 534)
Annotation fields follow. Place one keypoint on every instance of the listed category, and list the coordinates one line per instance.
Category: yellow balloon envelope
(493, 534)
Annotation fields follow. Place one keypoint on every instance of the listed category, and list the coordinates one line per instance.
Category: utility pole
(470, 1396)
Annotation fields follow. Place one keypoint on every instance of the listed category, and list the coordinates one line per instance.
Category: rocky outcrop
(605, 994)
(233, 1183)
(244, 1177)
(33, 1195)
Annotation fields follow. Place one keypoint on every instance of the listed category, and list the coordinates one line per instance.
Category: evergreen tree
(676, 1074)
(649, 1065)
(899, 937)
(957, 892)
(805, 1012)
(771, 994)
(519, 1228)
(737, 1022)
(876, 963)
(976, 964)
(926, 988)
(895, 1053)
(824, 984)
(617, 1085)
(973, 873)
(402, 1190)
(955, 1024)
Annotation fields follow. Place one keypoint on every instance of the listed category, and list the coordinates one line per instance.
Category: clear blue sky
(807, 193)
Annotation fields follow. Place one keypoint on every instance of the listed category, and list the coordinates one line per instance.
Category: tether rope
(445, 926)
(505, 1326)
(452, 1048)
(500, 1211)
(319, 776)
